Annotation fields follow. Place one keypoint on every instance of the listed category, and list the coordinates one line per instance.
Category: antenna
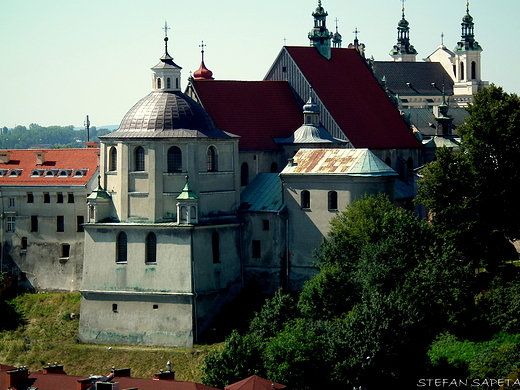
(87, 128)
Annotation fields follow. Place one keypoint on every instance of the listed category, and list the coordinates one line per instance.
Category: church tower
(403, 51)
(467, 61)
(320, 36)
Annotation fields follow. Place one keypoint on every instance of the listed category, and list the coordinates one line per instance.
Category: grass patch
(47, 334)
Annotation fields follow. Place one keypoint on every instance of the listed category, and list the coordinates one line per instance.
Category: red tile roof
(69, 382)
(354, 97)
(56, 160)
(255, 382)
(257, 111)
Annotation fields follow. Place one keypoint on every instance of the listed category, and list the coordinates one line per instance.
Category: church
(201, 196)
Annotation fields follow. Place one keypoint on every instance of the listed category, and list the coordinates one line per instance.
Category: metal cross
(166, 28)
(202, 45)
(285, 41)
(356, 31)
(442, 38)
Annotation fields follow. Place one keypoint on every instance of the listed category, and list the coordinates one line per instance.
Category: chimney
(4, 156)
(17, 378)
(121, 372)
(55, 369)
(40, 157)
(91, 145)
(164, 376)
(83, 384)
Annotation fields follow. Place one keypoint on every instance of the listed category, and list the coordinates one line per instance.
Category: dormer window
(80, 172)
(37, 172)
(51, 173)
(15, 172)
(64, 173)
(3, 172)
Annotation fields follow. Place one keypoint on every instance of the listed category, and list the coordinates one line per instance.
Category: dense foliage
(22, 137)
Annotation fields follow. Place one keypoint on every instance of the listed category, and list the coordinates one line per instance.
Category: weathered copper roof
(351, 162)
(264, 193)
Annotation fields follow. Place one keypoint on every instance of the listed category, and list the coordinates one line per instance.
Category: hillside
(47, 334)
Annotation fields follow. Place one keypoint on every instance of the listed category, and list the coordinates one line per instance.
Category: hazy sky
(63, 59)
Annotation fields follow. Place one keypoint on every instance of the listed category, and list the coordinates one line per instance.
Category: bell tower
(320, 36)
(403, 51)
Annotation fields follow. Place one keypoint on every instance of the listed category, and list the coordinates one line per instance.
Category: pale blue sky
(63, 59)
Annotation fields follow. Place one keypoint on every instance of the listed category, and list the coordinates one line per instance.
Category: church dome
(164, 115)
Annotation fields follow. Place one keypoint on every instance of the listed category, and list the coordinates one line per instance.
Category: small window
(34, 223)
(211, 159)
(46, 197)
(333, 200)
(121, 248)
(59, 197)
(174, 159)
(305, 199)
(151, 248)
(168, 83)
(114, 307)
(244, 174)
(80, 220)
(11, 202)
(30, 197)
(60, 223)
(65, 250)
(215, 246)
(23, 243)
(256, 249)
(155, 307)
(11, 224)
(158, 83)
(139, 159)
(265, 224)
(274, 168)
(70, 197)
(112, 163)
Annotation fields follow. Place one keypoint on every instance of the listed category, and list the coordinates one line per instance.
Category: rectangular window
(257, 251)
(11, 202)
(80, 220)
(60, 223)
(265, 224)
(30, 197)
(11, 224)
(23, 244)
(34, 223)
(70, 197)
(65, 250)
(59, 197)
(114, 307)
(46, 197)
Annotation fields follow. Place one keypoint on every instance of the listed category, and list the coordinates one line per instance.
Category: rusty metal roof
(351, 162)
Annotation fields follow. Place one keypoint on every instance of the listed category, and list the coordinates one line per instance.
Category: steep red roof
(60, 166)
(355, 99)
(257, 111)
(255, 382)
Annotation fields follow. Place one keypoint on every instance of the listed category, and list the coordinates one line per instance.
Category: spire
(166, 56)
(320, 36)
(403, 50)
(336, 38)
(468, 42)
(203, 73)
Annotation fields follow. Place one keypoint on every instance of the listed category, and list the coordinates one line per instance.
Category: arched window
(473, 70)
(305, 199)
(168, 83)
(151, 248)
(121, 248)
(174, 159)
(158, 83)
(139, 158)
(244, 174)
(211, 159)
(333, 200)
(215, 247)
(409, 165)
(462, 77)
(112, 159)
(274, 168)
